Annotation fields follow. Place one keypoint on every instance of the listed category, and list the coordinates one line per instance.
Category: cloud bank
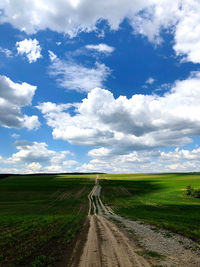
(142, 122)
(28, 160)
(147, 17)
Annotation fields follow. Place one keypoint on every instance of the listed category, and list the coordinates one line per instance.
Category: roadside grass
(40, 216)
(150, 254)
(158, 199)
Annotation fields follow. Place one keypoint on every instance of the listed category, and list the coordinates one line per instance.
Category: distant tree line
(3, 176)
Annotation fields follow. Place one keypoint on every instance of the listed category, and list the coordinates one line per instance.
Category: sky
(99, 86)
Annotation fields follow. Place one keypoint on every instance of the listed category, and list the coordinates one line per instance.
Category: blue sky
(96, 86)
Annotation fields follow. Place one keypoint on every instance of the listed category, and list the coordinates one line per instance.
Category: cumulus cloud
(142, 122)
(28, 152)
(113, 166)
(181, 18)
(102, 48)
(133, 163)
(14, 96)
(187, 34)
(67, 16)
(28, 160)
(147, 17)
(179, 160)
(33, 167)
(30, 48)
(73, 76)
(181, 154)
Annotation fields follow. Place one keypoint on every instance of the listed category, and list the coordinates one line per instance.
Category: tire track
(106, 245)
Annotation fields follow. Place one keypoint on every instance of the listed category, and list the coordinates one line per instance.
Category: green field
(159, 199)
(40, 216)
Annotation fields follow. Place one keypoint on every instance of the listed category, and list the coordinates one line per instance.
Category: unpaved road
(106, 245)
(121, 244)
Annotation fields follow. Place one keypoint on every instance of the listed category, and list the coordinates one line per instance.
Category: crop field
(159, 199)
(40, 216)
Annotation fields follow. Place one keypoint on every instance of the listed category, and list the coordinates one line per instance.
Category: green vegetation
(150, 254)
(40, 216)
(159, 199)
(192, 192)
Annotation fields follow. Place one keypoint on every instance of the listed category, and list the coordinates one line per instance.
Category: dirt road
(122, 242)
(106, 245)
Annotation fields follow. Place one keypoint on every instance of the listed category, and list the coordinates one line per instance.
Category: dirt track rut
(106, 245)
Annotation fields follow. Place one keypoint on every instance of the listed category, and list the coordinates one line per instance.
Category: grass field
(39, 217)
(158, 199)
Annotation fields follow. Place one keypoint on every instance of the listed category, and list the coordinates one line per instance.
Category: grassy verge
(159, 199)
(40, 216)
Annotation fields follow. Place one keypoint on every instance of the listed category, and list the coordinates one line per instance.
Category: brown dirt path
(106, 245)
(113, 241)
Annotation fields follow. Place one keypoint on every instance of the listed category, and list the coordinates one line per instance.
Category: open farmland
(159, 199)
(40, 216)
(43, 220)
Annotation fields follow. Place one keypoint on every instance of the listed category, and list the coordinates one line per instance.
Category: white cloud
(143, 161)
(181, 159)
(133, 163)
(67, 166)
(68, 16)
(31, 122)
(181, 18)
(73, 76)
(102, 48)
(14, 96)
(14, 135)
(160, 15)
(28, 152)
(33, 167)
(30, 48)
(52, 56)
(150, 80)
(6, 52)
(187, 34)
(28, 160)
(9, 170)
(141, 122)
(181, 154)
(147, 17)
(49, 107)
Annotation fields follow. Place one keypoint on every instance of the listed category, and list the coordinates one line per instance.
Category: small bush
(196, 193)
(192, 192)
(189, 190)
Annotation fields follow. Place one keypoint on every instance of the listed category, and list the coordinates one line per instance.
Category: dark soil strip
(74, 251)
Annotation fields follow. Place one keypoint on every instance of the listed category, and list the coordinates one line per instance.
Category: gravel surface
(176, 249)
